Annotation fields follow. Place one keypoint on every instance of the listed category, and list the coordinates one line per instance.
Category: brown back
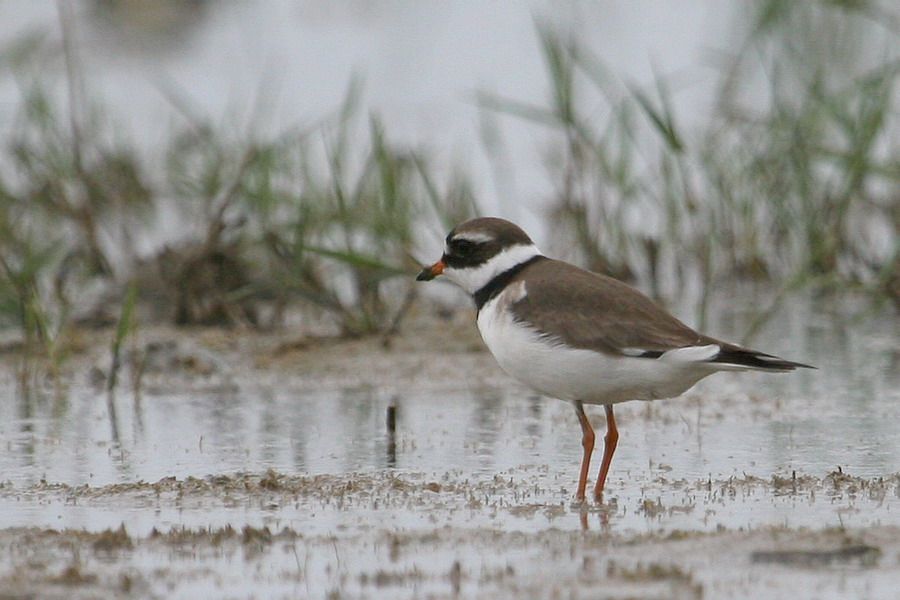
(595, 312)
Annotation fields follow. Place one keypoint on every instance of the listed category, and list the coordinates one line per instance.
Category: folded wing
(594, 312)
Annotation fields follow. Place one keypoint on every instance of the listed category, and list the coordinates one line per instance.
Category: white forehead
(477, 237)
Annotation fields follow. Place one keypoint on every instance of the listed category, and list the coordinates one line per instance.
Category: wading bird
(577, 335)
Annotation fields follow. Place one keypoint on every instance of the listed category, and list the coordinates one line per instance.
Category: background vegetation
(796, 188)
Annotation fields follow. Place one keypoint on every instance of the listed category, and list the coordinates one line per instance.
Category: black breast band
(499, 283)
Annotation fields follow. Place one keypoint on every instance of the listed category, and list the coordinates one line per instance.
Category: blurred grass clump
(794, 182)
(324, 219)
(792, 175)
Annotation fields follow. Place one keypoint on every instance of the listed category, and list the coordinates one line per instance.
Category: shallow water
(473, 453)
(325, 421)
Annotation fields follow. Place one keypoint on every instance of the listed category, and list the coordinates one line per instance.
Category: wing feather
(594, 312)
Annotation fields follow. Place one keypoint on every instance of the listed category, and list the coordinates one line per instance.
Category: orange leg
(587, 442)
(609, 447)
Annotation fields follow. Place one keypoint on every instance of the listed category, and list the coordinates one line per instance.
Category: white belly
(572, 374)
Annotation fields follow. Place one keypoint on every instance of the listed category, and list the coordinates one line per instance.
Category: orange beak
(429, 273)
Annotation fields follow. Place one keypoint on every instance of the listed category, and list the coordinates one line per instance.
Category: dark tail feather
(756, 360)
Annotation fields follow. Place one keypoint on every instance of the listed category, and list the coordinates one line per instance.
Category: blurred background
(212, 214)
(261, 164)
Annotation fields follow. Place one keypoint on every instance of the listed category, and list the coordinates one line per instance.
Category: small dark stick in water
(391, 422)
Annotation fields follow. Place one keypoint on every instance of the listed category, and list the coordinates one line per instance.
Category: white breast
(567, 373)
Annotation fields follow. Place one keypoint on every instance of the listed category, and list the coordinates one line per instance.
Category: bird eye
(462, 247)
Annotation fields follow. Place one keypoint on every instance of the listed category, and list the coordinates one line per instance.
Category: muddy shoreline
(449, 563)
(260, 465)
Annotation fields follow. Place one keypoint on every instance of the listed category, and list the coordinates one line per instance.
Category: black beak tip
(425, 275)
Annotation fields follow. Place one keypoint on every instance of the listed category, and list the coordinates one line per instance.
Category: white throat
(475, 278)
